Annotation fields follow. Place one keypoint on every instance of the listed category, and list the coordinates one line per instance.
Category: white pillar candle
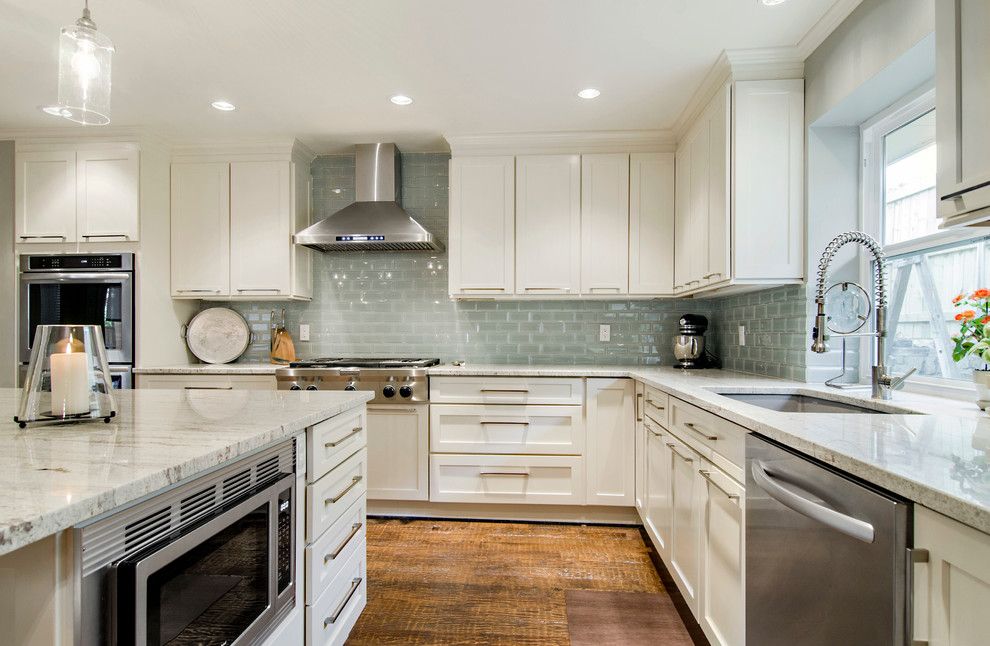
(70, 383)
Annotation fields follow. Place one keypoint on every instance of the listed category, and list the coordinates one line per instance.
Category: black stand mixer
(689, 344)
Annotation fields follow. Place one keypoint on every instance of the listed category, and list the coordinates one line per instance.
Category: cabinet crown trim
(531, 143)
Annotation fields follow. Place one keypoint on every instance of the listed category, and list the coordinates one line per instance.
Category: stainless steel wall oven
(209, 562)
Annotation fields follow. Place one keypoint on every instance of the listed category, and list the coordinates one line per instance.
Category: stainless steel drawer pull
(521, 474)
(693, 282)
(482, 289)
(354, 483)
(673, 448)
(198, 291)
(503, 423)
(106, 235)
(505, 390)
(544, 289)
(655, 405)
(355, 584)
(209, 387)
(691, 425)
(354, 431)
(639, 407)
(42, 237)
(952, 196)
(355, 528)
(258, 289)
(717, 273)
(650, 429)
(707, 475)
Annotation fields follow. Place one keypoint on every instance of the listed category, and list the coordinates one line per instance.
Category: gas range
(393, 380)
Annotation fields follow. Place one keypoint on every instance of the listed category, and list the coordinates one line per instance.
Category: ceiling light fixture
(589, 93)
(225, 106)
(84, 57)
(401, 99)
(771, 3)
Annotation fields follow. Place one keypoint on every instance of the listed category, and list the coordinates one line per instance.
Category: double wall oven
(80, 289)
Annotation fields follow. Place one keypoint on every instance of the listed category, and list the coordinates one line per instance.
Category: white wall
(8, 263)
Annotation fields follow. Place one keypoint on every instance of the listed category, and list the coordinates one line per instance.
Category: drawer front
(708, 433)
(330, 552)
(330, 619)
(528, 479)
(656, 405)
(332, 441)
(207, 382)
(506, 390)
(331, 495)
(547, 430)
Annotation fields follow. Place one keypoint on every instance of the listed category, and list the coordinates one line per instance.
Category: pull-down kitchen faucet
(883, 384)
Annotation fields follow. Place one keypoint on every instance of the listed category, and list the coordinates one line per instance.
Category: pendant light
(84, 73)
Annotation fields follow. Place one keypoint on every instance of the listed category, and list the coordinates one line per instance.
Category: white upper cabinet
(699, 185)
(107, 195)
(715, 249)
(46, 197)
(682, 218)
(651, 223)
(200, 229)
(481, 247)
(605, 224)
(548, 225)
(962, 96)
(610, 453)
(260, 228)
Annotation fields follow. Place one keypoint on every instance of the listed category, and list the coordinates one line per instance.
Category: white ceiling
(322, 70)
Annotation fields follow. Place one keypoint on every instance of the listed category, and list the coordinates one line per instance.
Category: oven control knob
(350, 386)
(388, 391)
(405, 391)
(295, 387)
(311, 387)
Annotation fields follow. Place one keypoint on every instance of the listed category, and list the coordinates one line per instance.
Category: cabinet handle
(707, 475)
(209, 387)
(639, 415)
(198, 291)
(952, 196)
(355, 584)
(42, 237)
(505, 390)
(691, 426)
(603, 289)
(717, 273)
(482, 289)
(521, 474)
(503, 423)
(653, 432)
(655, 405)
(106, 235)
(259, 289)
(693, 282)
(543, 289)
(354, 431)
(355, 528)
(673, 449)
(354, 482)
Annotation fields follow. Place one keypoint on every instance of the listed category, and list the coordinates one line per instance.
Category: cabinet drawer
(207, 382)
(530, 479)
(709, 434)
(331, 618)
(331, 551)
(506, 390)
(333, 440)
(656, 405)
(553, 430)
(327, 498)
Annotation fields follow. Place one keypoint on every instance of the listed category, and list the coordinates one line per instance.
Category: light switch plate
(742, 335)
(604, 332)
(304, 332)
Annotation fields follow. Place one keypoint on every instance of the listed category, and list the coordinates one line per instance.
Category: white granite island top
(54, 477)
(245, 368)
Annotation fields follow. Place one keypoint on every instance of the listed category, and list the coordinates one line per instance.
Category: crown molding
(606, 141)
(241, 150)
(47, 137)
(832, 18)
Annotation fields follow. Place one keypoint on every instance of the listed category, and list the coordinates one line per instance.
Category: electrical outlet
(304, 332)
(604, 332)
(742, 335)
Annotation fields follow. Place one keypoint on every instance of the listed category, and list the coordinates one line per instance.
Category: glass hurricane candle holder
(68, 379)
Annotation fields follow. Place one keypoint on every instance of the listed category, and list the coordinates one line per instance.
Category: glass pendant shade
(84, 56)
(68, 379)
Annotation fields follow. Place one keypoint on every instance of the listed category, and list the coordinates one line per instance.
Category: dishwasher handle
(842, 523)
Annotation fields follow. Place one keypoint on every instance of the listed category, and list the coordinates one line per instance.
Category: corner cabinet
(962, 96)
(232, 226)
(79, 194)
(611, 429)
(739, 217)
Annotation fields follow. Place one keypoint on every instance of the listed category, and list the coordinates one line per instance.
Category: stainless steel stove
(394, 381)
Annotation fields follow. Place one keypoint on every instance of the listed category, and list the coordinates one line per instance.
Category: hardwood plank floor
(457, 582)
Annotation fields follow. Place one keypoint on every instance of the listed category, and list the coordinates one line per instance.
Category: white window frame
(872, 133)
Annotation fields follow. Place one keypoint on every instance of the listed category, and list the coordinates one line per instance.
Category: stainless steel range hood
(375, 221)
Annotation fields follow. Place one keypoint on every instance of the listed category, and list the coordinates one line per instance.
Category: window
(927, 267)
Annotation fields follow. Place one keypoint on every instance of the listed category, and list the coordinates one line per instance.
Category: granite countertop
(210, 369)
(54, 477)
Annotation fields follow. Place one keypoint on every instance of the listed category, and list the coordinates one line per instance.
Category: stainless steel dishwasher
(826, 556)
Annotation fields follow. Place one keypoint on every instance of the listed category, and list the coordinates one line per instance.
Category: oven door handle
(72, 277)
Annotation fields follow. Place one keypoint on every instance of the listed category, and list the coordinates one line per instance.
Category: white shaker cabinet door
(715, 245)
(640, 452)
(548, 225)
(605, 224)
(45, 197)
(398, 452)
(659, 501)
(200, 229)
(682, 218)
(481, 256)
(260, 228)
(721, 610)
(651, 223)
(107, 195)
(697, 234)
(685, 533)
(610, 446)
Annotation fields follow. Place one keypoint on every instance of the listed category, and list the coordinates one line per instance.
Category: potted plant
(973, 338)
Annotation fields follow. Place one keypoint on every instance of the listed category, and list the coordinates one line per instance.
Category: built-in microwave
(79, 289)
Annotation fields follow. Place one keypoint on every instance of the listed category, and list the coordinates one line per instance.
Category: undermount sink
(793, 403)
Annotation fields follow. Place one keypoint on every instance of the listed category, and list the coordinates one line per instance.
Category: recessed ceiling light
(771, 3)
(400, 99)
(54, 110)
(589, 93)
(226, 106)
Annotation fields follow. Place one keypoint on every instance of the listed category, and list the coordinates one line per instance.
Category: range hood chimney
(375, 221)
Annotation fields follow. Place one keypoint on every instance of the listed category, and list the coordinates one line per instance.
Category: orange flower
(985, 320)
(966, 315)
(983, 292)
(958, 298)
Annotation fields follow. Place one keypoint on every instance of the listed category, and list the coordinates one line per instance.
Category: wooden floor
(456, 582)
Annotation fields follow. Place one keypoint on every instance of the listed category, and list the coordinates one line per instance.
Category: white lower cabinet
(398, 452)
(610, 458)
(721, 611)
(685, 531)
(658, 517)
(526, 479)
(640, 449)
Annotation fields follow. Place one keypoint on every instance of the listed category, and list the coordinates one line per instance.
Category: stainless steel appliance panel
(826, 556)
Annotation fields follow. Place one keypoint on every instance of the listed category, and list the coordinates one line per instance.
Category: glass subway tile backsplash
(396, 304)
